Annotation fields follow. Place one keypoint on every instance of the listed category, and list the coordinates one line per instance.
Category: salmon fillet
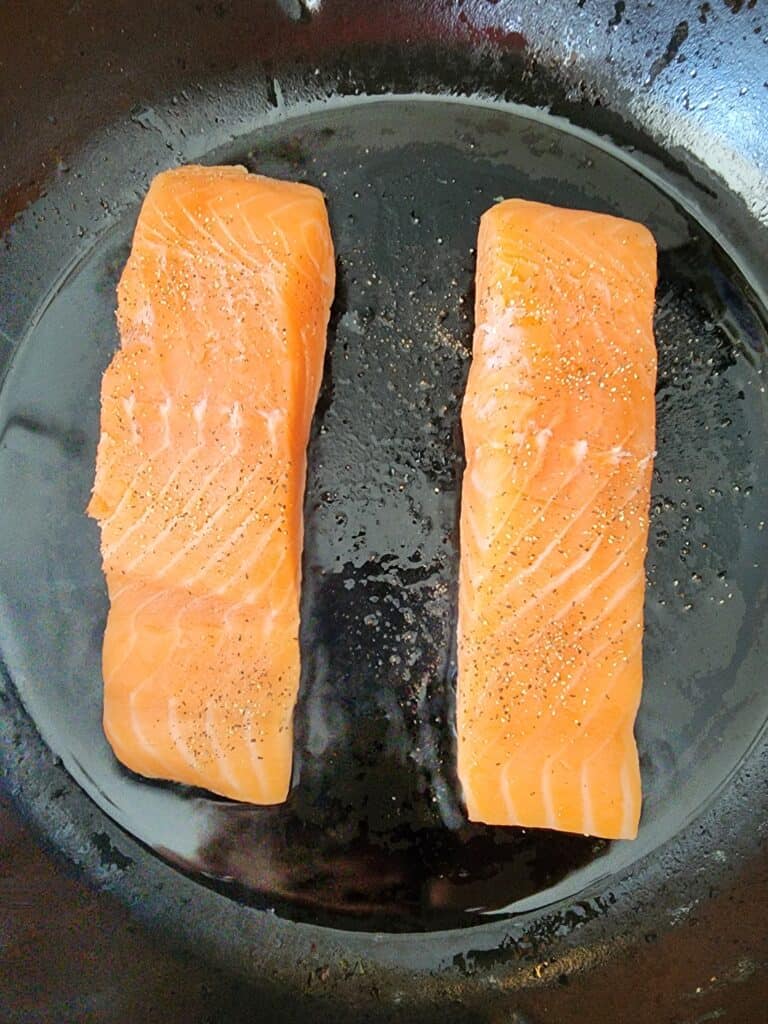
(205, 415)
(559, 428)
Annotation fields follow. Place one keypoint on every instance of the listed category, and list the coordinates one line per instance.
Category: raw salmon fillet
(200, 472)
(559, 426)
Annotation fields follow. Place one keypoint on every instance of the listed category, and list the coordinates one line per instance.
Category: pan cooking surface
(373, 835)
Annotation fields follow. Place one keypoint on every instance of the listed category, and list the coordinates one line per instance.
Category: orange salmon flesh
(206, 409)
(559, 430)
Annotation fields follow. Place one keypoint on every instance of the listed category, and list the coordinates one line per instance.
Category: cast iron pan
(368, 888)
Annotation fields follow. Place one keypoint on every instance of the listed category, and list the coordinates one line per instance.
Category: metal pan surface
(412, 124)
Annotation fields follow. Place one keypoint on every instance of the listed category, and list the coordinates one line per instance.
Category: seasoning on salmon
(559, 428)
(206, 409)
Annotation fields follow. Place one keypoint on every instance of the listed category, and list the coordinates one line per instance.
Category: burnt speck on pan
(677, 39)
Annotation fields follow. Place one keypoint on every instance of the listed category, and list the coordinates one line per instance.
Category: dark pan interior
(374, 835)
